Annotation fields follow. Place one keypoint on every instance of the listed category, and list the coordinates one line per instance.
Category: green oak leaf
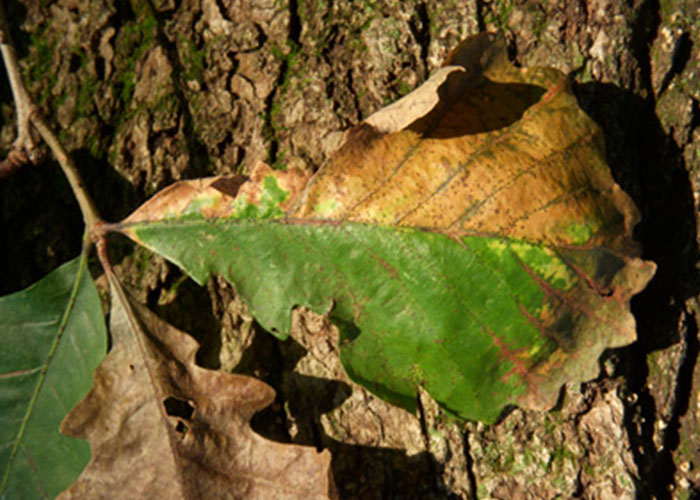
(468, 239)
(52, 336)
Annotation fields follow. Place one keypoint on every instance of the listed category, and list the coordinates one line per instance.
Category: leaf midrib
(44, 369)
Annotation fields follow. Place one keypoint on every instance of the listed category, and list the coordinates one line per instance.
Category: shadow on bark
(365, 472)
(649, 165)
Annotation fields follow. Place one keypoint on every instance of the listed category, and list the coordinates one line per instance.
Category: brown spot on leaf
(229, 185)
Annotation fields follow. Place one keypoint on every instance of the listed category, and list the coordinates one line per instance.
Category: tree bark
(146, 93)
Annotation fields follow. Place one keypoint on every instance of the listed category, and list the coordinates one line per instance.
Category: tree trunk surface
(146, 93)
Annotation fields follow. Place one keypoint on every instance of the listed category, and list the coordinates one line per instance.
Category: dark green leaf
(52, 336)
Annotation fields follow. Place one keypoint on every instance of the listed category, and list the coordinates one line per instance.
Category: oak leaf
(468, 239)
(52, 336)
(162, 427)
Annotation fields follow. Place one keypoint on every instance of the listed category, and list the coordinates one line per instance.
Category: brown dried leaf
(162, 427)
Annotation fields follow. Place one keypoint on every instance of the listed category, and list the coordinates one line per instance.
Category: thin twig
(103, 255)
(14, 161)
(24, 141)
(26, 113)
(87, 206)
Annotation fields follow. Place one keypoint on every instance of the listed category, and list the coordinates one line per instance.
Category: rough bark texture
(144, 93)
